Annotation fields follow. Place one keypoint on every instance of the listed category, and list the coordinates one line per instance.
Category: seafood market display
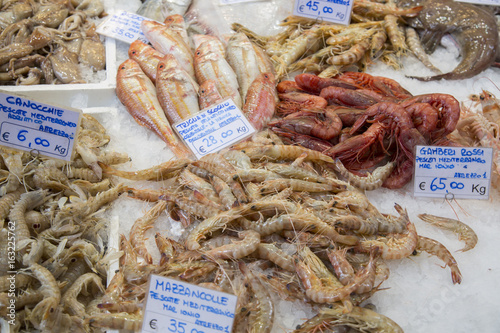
(473, 27)
(50, 42)
(180, 74)
(479, 126)
(384, 31)
(54, 258)
(364, 121)
(310, 222)
(262, 219)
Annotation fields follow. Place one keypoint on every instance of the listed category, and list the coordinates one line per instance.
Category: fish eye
(123, 67)
(161, 67)
(134, 52)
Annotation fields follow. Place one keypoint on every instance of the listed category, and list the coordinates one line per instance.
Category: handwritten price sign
(335, 11)
(123, 26)
(452, 172)
(214, 128)
(30, 125)
(179, 307)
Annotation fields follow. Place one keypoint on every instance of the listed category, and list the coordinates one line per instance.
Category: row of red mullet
(363, 120)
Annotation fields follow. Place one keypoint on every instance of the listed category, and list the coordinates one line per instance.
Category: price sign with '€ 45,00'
(335, 11)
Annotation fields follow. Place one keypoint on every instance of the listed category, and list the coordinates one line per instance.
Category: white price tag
(180, 307)
(452, 172)
(214, 128)
(30, 125)
(482, 2)
(335, 11)
(124, 26)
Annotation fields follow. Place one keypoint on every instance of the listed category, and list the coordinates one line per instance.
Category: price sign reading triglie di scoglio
(452, 172)
(34, 126)
(335, 11)
(179, 307)
(214, 128)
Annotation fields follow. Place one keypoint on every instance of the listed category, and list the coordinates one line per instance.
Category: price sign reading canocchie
(452, 172)
(179, 307)
(335, 11)
(30, 125)
(123, 26)
(214, 128)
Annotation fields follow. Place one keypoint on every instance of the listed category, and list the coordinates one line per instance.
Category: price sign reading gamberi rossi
(452, 172)
(30, 125)
(124, 26)
(179, 307)
(335, 11)
(214, 128)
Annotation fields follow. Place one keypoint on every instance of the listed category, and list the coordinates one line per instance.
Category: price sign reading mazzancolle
(30, 125)
(214, 128)
(335, 11)
(179, 307)
(452, 172)
(124, 26)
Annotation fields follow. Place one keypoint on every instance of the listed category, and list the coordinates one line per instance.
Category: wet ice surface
(420, 295)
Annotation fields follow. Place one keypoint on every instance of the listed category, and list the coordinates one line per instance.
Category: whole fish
(241, 55)
(265, 63)
(261, 100)
(138, 94)
(177, 24)
(176, 90)
(146, 56)
(215, 42)
(166, 41)
(208, 94)
(210, 64)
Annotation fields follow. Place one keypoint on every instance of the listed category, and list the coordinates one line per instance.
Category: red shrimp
(323, 124)
(348, 116)
(425, 118)
(383, 85)
(285, 108)
(401, 175)
(447, 105)
(314, 84)
(359, 99)
(354, 148)
(288, 86)
(305, 99)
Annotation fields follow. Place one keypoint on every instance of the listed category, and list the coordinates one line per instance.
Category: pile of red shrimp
(364, 121)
